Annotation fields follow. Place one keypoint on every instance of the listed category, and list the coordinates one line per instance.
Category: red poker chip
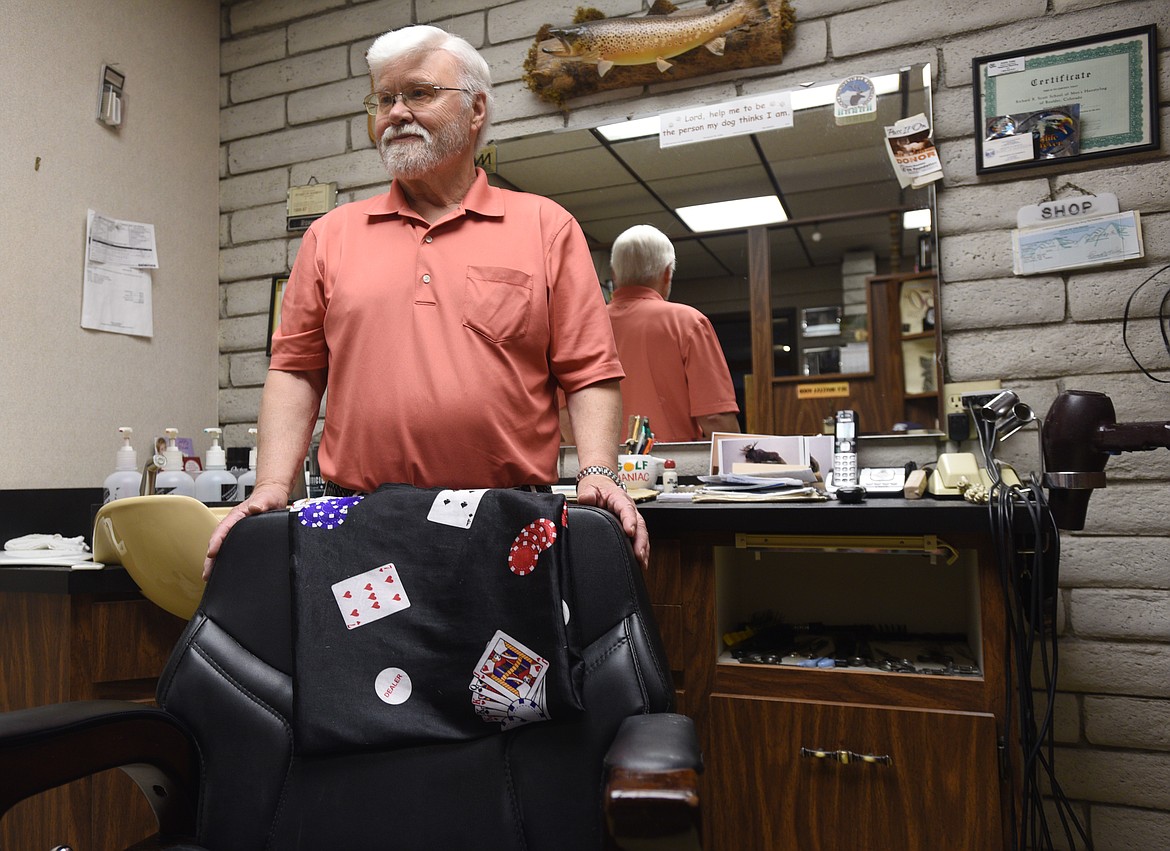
(533, 539)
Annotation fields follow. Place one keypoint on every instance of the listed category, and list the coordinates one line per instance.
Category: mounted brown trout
(653, 38)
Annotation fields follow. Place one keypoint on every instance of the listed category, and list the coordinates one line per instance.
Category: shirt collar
(633, 291)
(482, 198)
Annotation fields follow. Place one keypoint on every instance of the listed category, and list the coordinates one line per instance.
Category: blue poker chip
(526, 709)
(327, 512)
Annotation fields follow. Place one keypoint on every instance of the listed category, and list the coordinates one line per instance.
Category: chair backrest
(161, 540)
(532, 787)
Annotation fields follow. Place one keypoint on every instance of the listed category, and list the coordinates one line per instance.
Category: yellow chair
(161, 540)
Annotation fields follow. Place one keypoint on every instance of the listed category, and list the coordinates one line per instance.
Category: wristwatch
(600, 470)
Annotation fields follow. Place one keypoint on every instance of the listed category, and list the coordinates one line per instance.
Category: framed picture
(1060, 103)
(278, 283)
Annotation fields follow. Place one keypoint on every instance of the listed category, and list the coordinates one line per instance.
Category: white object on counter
(215, 483)
(55, 542)
(669, 476)
(173, 478)
(126, 480)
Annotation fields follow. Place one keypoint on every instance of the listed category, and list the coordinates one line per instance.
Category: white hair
(640, 255)
(416, 41)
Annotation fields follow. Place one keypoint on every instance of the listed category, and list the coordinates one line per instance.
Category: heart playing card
(370, 596)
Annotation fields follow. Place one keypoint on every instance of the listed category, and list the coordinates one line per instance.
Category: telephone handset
(845, 450)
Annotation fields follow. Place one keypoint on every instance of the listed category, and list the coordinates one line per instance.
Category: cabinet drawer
(939, 789)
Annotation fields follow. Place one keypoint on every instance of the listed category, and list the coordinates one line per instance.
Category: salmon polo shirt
(675, 369)
(445, 343)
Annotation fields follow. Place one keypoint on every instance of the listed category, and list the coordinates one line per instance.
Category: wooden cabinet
(889, 777)
(912, 365)
(904, 381)
(844, 758)
(79, 636)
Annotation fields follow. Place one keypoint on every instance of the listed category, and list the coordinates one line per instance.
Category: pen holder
(639, 471)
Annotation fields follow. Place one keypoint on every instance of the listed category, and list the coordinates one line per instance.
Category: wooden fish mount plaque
(597, 54)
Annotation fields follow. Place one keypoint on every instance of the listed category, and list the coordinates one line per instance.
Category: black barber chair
(221, 770)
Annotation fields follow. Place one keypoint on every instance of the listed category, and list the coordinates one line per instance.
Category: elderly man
(442, 315)
(675, 370)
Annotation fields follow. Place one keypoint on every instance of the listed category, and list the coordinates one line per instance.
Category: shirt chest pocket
(497, 302)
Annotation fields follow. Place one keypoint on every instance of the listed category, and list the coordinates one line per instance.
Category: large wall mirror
(809, 282)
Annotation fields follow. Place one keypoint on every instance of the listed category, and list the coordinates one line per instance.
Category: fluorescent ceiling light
(630, 129)
(727, 215)
(824, 95)
(916, 219)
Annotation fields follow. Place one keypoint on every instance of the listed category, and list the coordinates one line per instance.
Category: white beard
(415, 159)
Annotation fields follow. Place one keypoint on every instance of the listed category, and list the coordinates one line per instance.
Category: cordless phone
(845, 450)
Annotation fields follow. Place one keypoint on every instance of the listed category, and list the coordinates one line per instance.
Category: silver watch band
(600, 470)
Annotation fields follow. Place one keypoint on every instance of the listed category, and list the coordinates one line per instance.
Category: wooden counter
(75, 635)
(935, 740)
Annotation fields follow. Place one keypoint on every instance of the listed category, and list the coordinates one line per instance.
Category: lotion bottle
(173, 478)
(247, 481)
(215, 483)
(126, 480)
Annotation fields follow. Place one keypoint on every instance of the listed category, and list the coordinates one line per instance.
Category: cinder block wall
(292, 79)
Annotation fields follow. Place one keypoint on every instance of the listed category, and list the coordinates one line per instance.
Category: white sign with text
(737, 117)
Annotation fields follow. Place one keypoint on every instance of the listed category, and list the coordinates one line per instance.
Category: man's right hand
(266, 497)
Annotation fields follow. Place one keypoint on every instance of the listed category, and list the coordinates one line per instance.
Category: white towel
(46, 542)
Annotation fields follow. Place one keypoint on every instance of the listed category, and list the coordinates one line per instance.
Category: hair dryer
(1079, 434)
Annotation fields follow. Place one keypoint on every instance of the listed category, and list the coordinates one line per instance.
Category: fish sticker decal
(652, 39)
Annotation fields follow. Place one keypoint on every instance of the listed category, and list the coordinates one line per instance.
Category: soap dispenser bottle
(215, 483)
(247, 481)
(173, 478)
(126, 480)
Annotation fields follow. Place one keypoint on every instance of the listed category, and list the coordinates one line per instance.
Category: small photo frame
(278, 282)
(1060, 103)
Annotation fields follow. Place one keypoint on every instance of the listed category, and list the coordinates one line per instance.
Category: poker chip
(533, 539)
(526, 709)
(326, 512)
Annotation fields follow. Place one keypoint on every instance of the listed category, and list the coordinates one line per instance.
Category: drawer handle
(846, 757)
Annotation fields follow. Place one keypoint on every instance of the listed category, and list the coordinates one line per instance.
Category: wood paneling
(61, 647)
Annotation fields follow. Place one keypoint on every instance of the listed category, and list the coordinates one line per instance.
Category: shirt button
(426, 279)
(429, 239)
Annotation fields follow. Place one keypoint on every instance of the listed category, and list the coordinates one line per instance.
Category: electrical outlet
(955, 392)
(960, 397)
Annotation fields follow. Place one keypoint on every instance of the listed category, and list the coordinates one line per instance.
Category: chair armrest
(49, 746)
(652, 783)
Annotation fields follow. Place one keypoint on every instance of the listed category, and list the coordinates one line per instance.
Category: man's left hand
(601, 492)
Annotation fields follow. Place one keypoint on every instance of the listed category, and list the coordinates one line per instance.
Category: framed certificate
(1090, 97)
(278, 283)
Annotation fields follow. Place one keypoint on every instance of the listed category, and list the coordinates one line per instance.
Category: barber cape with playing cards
(428, 615)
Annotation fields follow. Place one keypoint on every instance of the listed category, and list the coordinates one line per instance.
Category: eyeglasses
(416, 95)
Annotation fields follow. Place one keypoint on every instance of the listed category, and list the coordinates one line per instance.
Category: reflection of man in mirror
(443, 315)
(675, 370)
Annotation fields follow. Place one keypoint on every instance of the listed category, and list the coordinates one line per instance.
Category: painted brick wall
(293, 74)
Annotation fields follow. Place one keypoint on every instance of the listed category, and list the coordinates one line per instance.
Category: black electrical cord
(1163, 322)
(1027, 546)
